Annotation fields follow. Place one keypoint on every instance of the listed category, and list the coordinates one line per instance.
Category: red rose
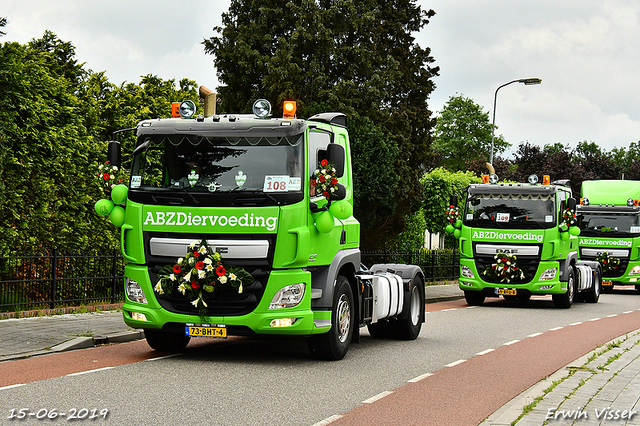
(200, 265)
(177, 269)
(105, 176)
(324, 163)
(325, 194)
(313, 183)
(221, 271)
(334, 181)
(504, 259)
(194, 285)
(321, 178)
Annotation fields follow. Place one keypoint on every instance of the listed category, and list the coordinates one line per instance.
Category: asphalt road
(467, 357)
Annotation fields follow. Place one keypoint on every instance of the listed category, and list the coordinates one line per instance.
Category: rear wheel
(593, 294)
(166, 341)
(474, 298)
(565, 300)
(409, 328)
(334, 344)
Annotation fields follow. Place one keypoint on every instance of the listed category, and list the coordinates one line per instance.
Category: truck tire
(166, 341)
(565, 300)
(334, 344)
(409, 328)
(593, 294)
(474, 298)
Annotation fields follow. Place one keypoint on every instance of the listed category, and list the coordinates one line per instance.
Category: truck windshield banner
(221, 221)
(608, 243)
(507, 236)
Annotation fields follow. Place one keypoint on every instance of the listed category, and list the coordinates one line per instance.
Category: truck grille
(223, 302)
(527, 262)
(614, 273)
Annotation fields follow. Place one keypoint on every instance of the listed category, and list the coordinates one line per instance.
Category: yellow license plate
(506, 291)
(205, 331)
(607, 282)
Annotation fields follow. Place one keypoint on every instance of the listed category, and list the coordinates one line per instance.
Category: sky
(585, 51)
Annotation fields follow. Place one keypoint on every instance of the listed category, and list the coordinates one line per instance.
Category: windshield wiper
(194, 199)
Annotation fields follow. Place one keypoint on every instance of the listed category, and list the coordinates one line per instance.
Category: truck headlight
(465, 271)
(549, 274)
(635, 270)
(135, 292)
(288, 297)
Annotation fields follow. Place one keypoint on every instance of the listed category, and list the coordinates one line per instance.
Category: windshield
(510, 211)
(218, 164)
(609, 224)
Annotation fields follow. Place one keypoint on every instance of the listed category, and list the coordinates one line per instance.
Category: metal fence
(41, 281)
(438, 265)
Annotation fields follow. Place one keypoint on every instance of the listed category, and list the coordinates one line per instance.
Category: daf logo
(222, 250)
(507, 251)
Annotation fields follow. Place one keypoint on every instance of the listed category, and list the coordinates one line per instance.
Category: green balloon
(117, 216)
(458, 224)
(341, 209)
(574, 230)
(324, 222)
(119, 194)
(457, 233)
(103, 207)
(449, 228)
(564, 236)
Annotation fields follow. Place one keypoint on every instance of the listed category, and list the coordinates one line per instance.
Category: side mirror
(453, 200)
(336, 156)
(571, 203)
(340, 193)
(113, 153)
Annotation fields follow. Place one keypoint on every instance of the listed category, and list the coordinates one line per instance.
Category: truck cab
(272, 198)
(515, 241)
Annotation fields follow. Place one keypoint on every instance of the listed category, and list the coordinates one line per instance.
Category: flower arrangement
(608, 263)
(199, 274)
(108, 176)
(569, 218)
(324, 179)
(452, 214)
(505, 269)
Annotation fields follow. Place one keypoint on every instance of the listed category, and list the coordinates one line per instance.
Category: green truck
(519, 239)
(242, 224)
(609, 220)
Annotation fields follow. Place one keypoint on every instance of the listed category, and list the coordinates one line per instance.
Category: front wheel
(166, 341)
(565, 300)
(474, 298)
(334, 344)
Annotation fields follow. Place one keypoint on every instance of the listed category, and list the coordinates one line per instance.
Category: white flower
(240, 289)
(100, 167)
(209, 268)
(114, 168)
(201, 273)
(112, 177)
(187, 277)
(223, 279)
(195, 302)
(193, 244)
(158, 288)
(179, 260)
(207, 261)
(232, 276)
(203, 250)
(192, 260)
(172, 277)
(182, 289)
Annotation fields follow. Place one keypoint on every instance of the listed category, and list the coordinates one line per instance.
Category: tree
(3, 23)
(463, 133)
(596, 163)
(358, 57)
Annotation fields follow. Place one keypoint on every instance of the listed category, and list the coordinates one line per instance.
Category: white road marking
(89, 371)
(485, 352)
(511, 342)
(535, 335)
(13, 386)
(453, 364)
(377, 397)
(417, 379)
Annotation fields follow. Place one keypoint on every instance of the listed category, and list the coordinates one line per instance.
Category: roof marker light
(187, 108)
(493, 178)
(546, 180)
(485, 178)
(533, 179)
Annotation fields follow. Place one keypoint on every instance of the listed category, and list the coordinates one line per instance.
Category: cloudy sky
(585, 51)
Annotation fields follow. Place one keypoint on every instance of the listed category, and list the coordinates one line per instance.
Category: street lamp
(527, 82)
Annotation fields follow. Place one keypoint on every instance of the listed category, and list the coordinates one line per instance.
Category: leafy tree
(463, 133)
(596, 163)
(437, 187)
(3, 23)
(358, 57)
